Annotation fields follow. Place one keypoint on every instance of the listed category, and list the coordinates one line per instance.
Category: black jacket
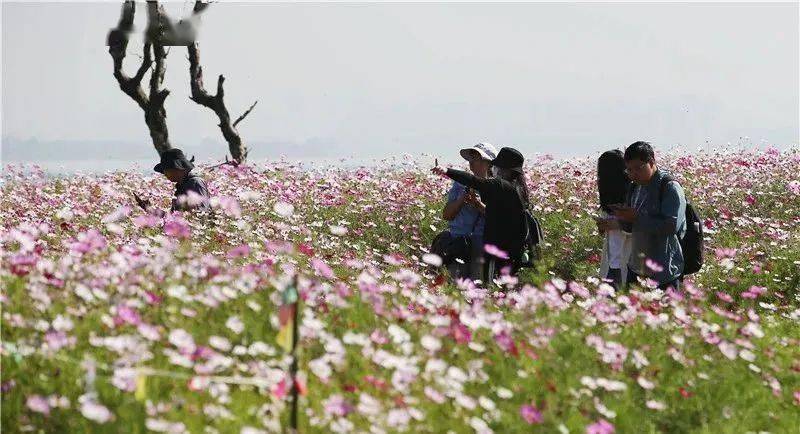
(505, 218)
(189, 183)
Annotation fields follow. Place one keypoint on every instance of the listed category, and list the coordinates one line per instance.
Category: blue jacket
(469, 220)
(659, 226)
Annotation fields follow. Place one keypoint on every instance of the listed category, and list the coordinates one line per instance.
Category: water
(71, 167)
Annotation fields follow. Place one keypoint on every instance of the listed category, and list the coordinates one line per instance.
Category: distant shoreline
(66, 167)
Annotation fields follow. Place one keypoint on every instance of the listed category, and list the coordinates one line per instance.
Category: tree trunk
(152, 103)
(216, 102)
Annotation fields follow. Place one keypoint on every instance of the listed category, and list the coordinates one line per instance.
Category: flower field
(114, 321)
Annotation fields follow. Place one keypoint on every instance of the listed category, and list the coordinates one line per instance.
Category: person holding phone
(655, 213)
(465, 212)
(191, 192)
(506, 198)
(612, 185)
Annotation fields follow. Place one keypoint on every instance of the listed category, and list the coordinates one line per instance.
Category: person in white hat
(465, 212)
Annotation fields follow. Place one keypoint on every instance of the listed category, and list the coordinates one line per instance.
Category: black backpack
(692, 241)
(533, 237)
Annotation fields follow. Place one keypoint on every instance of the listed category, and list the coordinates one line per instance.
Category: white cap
(486, 150)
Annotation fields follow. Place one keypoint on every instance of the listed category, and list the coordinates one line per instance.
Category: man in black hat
(190, 190)
(506, 198)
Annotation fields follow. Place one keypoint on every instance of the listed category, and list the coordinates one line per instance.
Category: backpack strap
(665, 179)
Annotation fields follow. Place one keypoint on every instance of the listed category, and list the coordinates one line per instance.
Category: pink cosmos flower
(724, 297)
(378, 338)
(460, 332)
(322, 269)
(754, 292)
(531, 414)
(653, 265)
(506, 342)
(279, 389)
(495, 251)
(38, 404)
(117, 215)
(152, 298)
(602, 426)
(22, 264)
(239, 251)
(336, 405)
(228, 205)
(88, 242)
(434, 395)
(177, 227)
(722, 253)
(794, 187)
(127, 315)
(56, 340)
(146, 221)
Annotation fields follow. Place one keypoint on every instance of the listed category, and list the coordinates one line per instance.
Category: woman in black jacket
(506, 198)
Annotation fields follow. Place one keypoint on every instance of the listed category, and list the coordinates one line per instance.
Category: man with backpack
(655, 212)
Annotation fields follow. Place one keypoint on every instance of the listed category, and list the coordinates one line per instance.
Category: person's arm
(481, 185)
(453, 207)
(472, 199)
(673, 213)
(455, 200)
(145, 205)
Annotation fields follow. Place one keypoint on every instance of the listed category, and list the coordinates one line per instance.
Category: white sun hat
(487, 151)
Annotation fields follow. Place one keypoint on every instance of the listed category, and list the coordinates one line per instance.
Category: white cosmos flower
(93, 410)
(338, 230)
(479, 425)
(435, 366)
(645, 383)
(367, 405)
(430, 343)
(219, 343)
(504, 393)
(359, 339)
(398, 334)
(478, 348)
(486, 403)
(235, 324)
(432, 259)
(465, 401)
(283, 209)
(181, 339)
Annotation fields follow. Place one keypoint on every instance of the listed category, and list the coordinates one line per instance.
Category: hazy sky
(381, 79)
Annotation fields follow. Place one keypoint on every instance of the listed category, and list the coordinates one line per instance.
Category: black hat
(173, 159)
(508, 158)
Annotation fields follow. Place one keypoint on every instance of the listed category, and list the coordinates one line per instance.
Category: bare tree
(152, 102)
(162, 32)
(216, 102)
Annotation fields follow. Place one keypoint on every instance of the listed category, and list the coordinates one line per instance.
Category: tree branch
(117, 41)
(241, 118)
(216, 102)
